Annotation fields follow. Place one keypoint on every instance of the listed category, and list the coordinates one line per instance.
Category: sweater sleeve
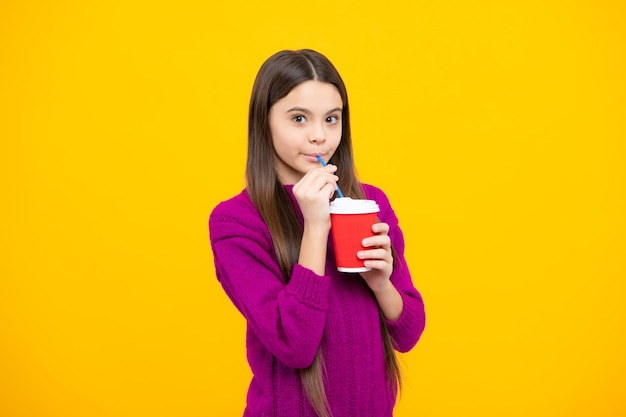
(289, 318)
(407, 330)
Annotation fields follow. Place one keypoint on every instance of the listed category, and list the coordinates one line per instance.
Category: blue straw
(319, 158)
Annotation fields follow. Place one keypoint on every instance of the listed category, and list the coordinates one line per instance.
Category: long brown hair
(278, 75)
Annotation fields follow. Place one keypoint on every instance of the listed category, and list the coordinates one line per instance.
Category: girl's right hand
(313, 192)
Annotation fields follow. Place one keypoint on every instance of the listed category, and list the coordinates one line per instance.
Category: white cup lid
(346, 205)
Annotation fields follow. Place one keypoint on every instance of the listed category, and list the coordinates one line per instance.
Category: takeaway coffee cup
(351, 222)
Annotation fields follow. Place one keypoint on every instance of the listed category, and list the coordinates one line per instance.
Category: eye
(298, 118)
(332, 119)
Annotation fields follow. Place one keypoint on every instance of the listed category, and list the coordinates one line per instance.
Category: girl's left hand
(378, 257)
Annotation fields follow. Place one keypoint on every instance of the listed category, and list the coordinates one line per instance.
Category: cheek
(278, 133)
(337, 137)
(285, 140)
(282, 129)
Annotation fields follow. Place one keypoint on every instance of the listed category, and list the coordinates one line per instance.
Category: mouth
(313, 156)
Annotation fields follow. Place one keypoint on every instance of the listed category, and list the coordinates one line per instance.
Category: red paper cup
(351, 222)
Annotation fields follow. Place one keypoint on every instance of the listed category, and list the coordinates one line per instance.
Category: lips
(312, 157)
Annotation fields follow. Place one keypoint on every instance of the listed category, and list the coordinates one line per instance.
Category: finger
(323, 173)
(316, 180)
(376, 264)
(378, 240)
(378, 254)
(316, 173)
(324, 183)
(380, 228)
(330, 188)
(308, 178)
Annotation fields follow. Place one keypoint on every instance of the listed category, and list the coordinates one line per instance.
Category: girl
(319, 342)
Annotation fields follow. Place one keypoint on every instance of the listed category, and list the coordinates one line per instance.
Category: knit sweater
(288, 322)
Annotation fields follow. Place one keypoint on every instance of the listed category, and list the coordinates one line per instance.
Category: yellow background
(497, 129)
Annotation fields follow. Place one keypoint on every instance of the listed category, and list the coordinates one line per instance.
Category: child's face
(305, 123)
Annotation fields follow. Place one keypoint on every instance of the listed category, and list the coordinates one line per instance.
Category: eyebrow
(307, 111)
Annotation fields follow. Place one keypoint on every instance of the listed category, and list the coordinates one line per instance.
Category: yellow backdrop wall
(497, 129)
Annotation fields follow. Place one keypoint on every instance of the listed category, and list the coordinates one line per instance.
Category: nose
(317, 135)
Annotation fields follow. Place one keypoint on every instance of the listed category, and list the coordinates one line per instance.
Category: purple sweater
(287, 323)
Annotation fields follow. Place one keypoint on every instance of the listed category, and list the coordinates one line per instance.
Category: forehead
(312, 95)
